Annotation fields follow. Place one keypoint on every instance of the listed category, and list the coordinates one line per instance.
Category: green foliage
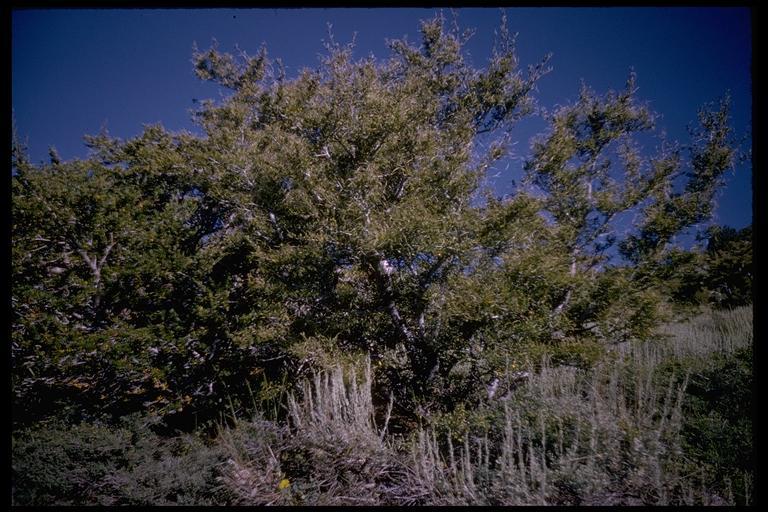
(729, 266)
(720, 275)
(711, 153)
(96, 464)
(58, 464)
(717, 418)
(719, 412)
(341, 214)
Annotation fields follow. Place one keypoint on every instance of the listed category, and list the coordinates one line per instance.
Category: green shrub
(346, 210)
(717, 430)
(55, 463)
(58, 464)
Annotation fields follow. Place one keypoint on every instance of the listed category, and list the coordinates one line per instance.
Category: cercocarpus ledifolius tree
(344, 210)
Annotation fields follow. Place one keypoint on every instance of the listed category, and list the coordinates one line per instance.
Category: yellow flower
(284, 483)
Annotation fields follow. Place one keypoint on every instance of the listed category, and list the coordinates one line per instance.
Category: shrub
(57, 464)
(716, 350)
(348, 206)
(332, 453)
(97, 464)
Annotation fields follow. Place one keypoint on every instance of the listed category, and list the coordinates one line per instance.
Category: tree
(590, 169)
(355, 183)
(345, 210)
(729, 265)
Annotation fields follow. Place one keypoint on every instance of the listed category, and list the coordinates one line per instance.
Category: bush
(718, 424)
(332, 453)
(716, 351)
(57, 464)
(97, 464)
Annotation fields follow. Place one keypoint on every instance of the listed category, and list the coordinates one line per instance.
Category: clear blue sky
(74, 71)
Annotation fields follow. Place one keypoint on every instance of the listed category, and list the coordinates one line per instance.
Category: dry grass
(252, 473)
(608, 436)
(567, 439)
(611, 436)
(332, 454)
(614, 434)
(717, 331)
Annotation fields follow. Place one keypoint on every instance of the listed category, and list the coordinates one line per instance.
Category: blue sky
(76, 71)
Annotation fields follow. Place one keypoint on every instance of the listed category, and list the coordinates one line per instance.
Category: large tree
(344, 210)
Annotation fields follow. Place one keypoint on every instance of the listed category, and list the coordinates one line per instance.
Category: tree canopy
(346, 211)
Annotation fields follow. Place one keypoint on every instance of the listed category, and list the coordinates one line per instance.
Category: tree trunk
(96, 265)
(424, 362)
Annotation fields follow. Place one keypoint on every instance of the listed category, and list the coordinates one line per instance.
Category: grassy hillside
(664, 421)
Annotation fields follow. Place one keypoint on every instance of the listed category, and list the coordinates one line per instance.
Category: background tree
(729, 265)
(720, 274)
